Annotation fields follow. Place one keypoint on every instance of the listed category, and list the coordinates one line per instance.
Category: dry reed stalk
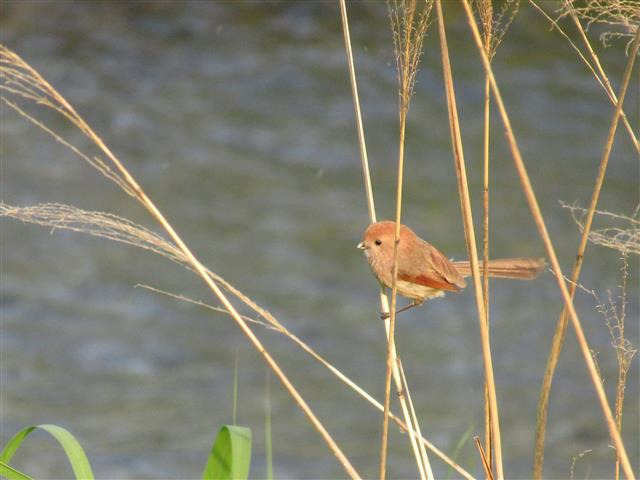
(486, 464)
(408, 27)
(421, 460)
(390, 326)
(414, 417)
(600, 76)
(465, 205)
(486, 9)
(485, 253)
(544, 234)
(20, 79)
(118, 229)
(356, 105)
(561, 326)
(493, 30)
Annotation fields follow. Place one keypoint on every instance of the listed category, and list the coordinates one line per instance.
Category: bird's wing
(428, 280)
(439, 273)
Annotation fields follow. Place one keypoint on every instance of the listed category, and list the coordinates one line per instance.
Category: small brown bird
(423, 271)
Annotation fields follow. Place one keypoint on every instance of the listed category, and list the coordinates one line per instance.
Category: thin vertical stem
(486, 464)
(465, 205)
(485, 229)
(405, 386)
(384, 301)
(544, 234)
(391, 366)
(561, 326)
(356, 105)
(403, 403)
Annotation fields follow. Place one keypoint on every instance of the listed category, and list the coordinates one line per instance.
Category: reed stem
(544, 234)
(488, 442)
(465, 205)
(384, 302)
(561, 325)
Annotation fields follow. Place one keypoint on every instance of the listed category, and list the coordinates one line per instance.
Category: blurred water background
(237, 119)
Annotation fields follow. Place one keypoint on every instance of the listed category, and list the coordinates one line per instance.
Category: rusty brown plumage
(423, 271)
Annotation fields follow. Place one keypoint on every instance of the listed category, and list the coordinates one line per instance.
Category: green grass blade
(268, 441)
(11, 473)
(456, 451)
(72, 448)
(230, 456)
(235, 388)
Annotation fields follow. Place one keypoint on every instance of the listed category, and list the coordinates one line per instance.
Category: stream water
(237, 119)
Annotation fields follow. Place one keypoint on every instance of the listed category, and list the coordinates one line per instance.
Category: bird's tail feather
(521, 268)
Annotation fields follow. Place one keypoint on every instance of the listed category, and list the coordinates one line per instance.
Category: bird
(424, 272)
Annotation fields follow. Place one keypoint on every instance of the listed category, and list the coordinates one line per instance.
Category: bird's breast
(415, 291)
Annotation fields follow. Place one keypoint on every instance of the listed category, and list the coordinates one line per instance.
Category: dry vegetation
(623, 234)
(494, 24)
(409, 22)
(25, 91)
(620, 17)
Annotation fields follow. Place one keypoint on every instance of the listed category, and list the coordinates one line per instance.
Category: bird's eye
(378, 242)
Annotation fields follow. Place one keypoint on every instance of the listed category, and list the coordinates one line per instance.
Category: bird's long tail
(521, 268)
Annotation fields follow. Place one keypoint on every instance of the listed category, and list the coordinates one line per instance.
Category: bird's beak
(362, 246)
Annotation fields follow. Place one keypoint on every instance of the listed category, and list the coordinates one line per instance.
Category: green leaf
(230, 456)
(268, 440)
(11, 473)
(72, 448)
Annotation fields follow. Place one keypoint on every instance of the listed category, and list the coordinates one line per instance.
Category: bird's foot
(415, 303)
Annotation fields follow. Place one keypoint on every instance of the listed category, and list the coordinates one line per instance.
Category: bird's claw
(385, 315)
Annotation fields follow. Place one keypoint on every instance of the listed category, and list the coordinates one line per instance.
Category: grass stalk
(391, 353)
(424, 467)
(486, 7)
(356, 105)
(542, 229)
(414, 417)
(408, 30)
(561, 325)
(384, 301)
(486, 464)
(16, 73)
(391, 323)
(494, 26)
(488, 442)
(465, 205)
